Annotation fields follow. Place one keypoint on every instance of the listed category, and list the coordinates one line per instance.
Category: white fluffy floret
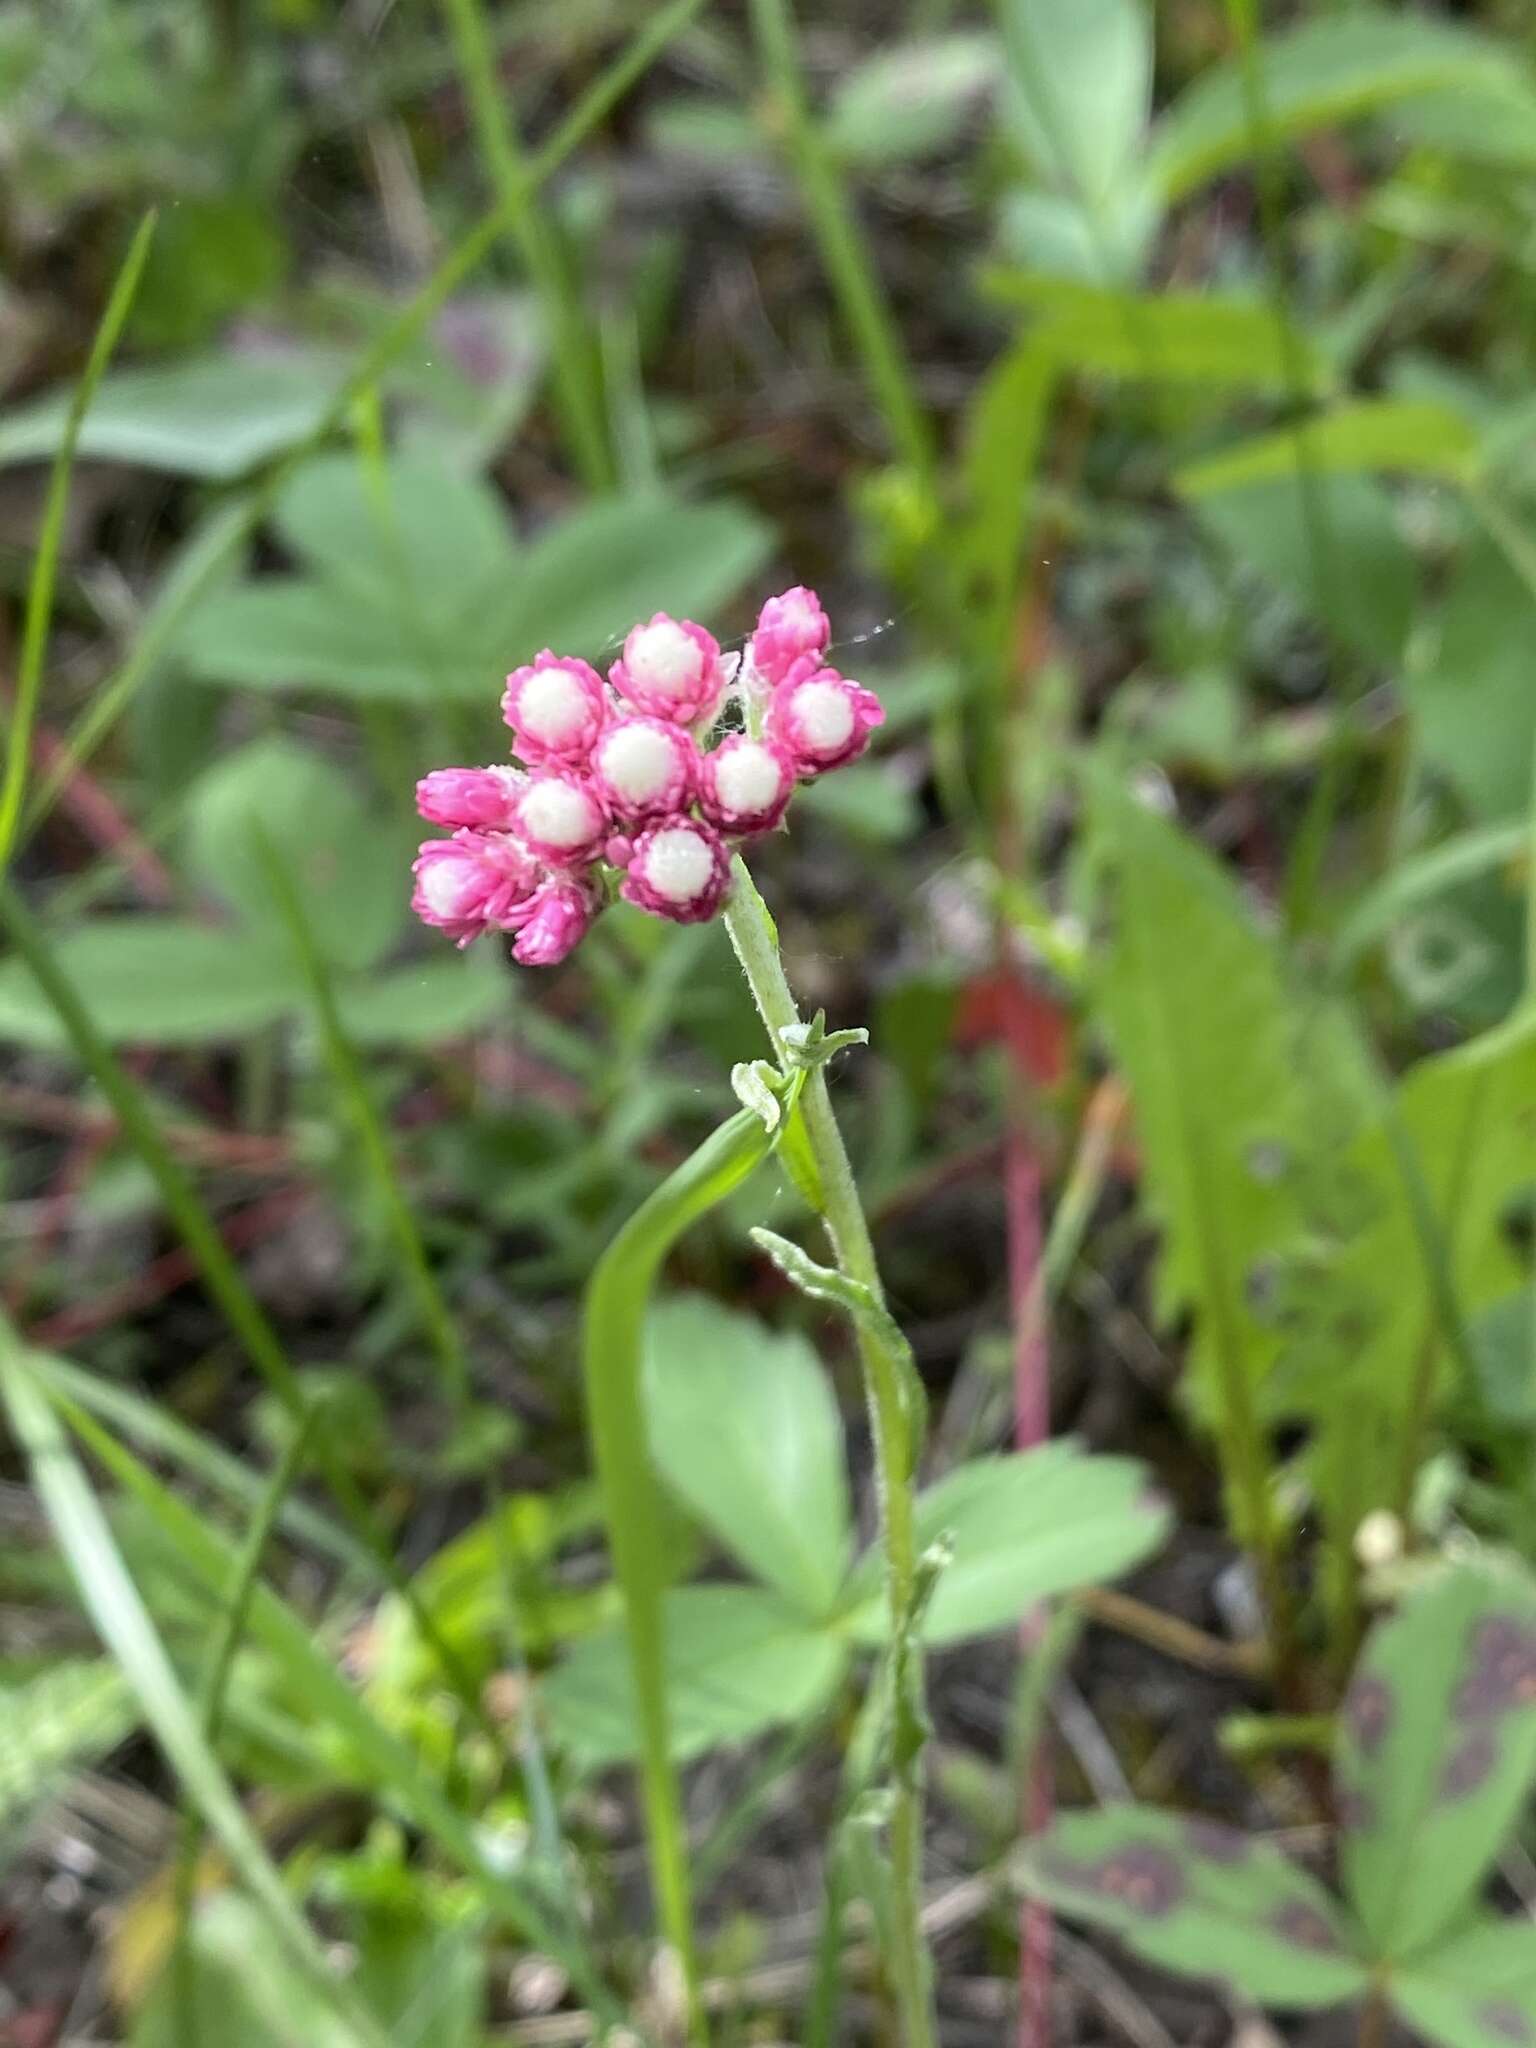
(679, 864)
(637, 762)
(663, 657)
(558, 814)
(748, 780)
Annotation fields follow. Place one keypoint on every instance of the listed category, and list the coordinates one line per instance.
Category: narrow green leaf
(617, 1299)
(39, 614)
(307, 1665)
(1167, 337)
(1199, 1899)
(1416, 436)
(1436, 1753)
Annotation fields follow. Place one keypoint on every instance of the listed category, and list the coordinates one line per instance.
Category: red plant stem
(1031, 1426)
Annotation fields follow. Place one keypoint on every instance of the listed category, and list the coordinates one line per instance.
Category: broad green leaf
(238, 1988)
(1418, 436)
(1331, 541)
(348, 864)
(153, 981)
(1024, 1528)
(420, 523)
(1079, 90)
(1314, 76)
(1471, 694)
(1164, 337)
(210, 416)
(737, 1661)
(910, 100)
(425, 597)
(867, 802)
(744, 1428)
(428, 1002)
(1436, 1753)
(585, 582)
(1476, 1989)
(66, 1717)
(1200, 1899)
(1241, 1092)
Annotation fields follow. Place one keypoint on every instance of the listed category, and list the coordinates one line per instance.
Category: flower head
(470, 796)
(792, 635)
(823, 720)
(626, 792)
(556, 707)
(560, 816)
(646, 768)
(678, 870)
(671, 668)
(747, 784)
(474, 882)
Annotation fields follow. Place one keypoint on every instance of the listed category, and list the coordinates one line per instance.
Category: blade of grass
(224, 1279)
(112, 1601)
(209, 1557)
(221, 541)
(133, 1415)
(844, 252)
(577, 377)
(217, 1668)
(617, 1297)
(45, 568)
(357, 1099)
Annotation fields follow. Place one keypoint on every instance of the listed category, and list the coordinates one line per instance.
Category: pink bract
(678, 870)
(473, 883)
(556, 707)
(823, 720)
(645, 768)
(470, 796)
(671, 669)
(562, 913)
(747, 784)
(560, 816)
(791, 636)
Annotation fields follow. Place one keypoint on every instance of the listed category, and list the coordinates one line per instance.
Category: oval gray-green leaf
(1436, 1753)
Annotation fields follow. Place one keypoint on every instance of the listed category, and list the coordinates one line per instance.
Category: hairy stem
(755, 939)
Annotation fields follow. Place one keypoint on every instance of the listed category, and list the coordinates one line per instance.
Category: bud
(671, 669)
(556, 707)
(823, 720)
(678, 870)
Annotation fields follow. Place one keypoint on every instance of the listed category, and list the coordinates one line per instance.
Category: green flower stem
(755, 938)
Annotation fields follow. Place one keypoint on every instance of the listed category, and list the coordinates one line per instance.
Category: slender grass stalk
(574, 363)
(755, 939)
(119, 1615)
(844, 251)
(613, 1331)
(205, 1554)
(1305, 867)
(221, 542)
(45, 566)
(352, 1085)
(212, 1689)
(224, 1279)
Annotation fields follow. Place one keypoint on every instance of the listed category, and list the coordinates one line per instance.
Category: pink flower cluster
(617, 786)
